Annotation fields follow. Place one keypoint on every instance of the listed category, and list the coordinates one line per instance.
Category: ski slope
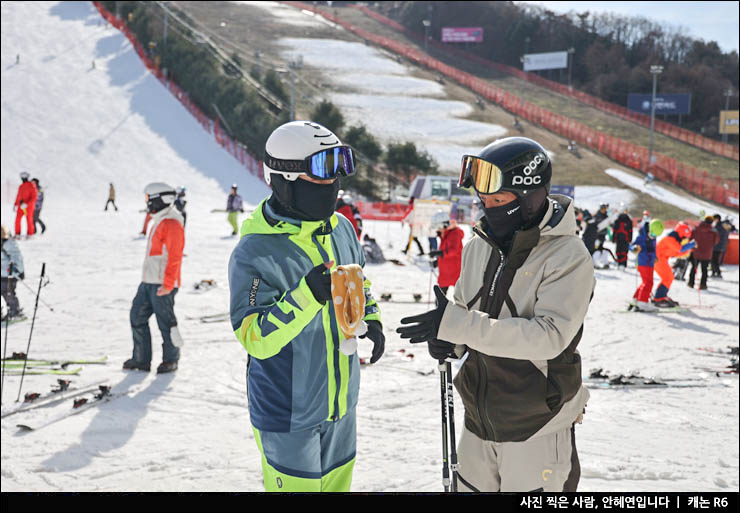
(78, 128)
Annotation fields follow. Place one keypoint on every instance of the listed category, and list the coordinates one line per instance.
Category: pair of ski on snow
(83, 398)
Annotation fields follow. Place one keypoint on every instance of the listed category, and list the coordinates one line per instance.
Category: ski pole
(451, 415)
(42, 301)
(5, 352)
(443, 387)
(35, 308)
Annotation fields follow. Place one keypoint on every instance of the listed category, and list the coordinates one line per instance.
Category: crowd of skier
(522, 288)
(683, 248)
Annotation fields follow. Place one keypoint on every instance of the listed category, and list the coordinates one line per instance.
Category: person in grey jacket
(517, 318)
(39, 205)
(11, 272)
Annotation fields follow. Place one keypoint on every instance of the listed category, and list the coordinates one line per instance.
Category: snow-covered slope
(190, 430)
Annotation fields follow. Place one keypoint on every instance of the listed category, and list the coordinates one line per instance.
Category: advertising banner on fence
(728, 122)
(664, 103)
(462, 34)
(565, 190)
(550, 60)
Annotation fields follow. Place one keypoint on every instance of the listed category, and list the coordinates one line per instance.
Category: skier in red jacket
(449, 253)
(27, 194)
(350, 211)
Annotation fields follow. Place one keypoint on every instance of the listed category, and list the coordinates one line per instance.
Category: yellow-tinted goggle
(481, 175)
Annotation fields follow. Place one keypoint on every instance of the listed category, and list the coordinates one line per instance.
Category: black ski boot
(166, 367)
(132, 364)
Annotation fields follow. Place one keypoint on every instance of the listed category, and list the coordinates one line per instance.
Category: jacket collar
(264, 220)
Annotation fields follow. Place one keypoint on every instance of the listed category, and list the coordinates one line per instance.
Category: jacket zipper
(337, 373)
(483, 406)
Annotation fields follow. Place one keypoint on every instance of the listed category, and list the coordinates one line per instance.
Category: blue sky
(710, 21)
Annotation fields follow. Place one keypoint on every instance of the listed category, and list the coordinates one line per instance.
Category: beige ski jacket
(519, 315)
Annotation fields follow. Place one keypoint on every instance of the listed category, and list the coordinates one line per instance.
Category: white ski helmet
(440, 220)
(24, 175)
(159, 196)
(291, 144)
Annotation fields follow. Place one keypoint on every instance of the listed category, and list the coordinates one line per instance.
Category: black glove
(424, 327)
(441, 350)
(436, 253)
(375, 333)
(22, 276)
(435, 263)
(318, 280)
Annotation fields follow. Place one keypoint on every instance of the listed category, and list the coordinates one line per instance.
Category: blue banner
(565, 190)
(664, 103)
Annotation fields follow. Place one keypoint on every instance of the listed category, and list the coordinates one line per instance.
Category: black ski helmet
(526, 170)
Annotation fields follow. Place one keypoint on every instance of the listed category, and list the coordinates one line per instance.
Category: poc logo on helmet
(528, 170)
(532, 166)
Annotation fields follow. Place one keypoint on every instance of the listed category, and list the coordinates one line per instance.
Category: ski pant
(110, 201)
(666, 278)
(29, 220)
(146, 303)
(704, 272)
(643, 291)
(418, 245)
(8, 293)
(232, 218)
(432, 243)
(37, 220)
(718, 256)
(590, 242)
(622, 250)
(319, 459)
(547, 463)
(679, 268)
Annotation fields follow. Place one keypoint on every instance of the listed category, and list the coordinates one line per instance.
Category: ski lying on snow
(19, 358)
(43, 370)
(220, 317)
(34, 400)
(600, 379)
(78, 406)
(11, 364)
(731, 350)
(643, 384)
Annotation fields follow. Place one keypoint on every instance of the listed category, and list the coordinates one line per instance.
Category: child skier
(671, 246)
(645, 246)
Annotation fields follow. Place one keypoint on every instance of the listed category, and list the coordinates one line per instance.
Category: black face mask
(314, 201)
(503, 221)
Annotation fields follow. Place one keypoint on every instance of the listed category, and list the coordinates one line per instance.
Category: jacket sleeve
(562, 302)
(264, 318)
(174, 240)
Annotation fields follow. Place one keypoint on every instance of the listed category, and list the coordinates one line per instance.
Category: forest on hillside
(612, 53)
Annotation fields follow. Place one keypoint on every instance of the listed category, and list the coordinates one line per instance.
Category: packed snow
(190, 430)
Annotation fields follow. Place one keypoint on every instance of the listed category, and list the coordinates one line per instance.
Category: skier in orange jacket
(669, 247)
(27, 194)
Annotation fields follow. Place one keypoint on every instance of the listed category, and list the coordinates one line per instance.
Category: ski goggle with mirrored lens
(481, 175)
(323, 165)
